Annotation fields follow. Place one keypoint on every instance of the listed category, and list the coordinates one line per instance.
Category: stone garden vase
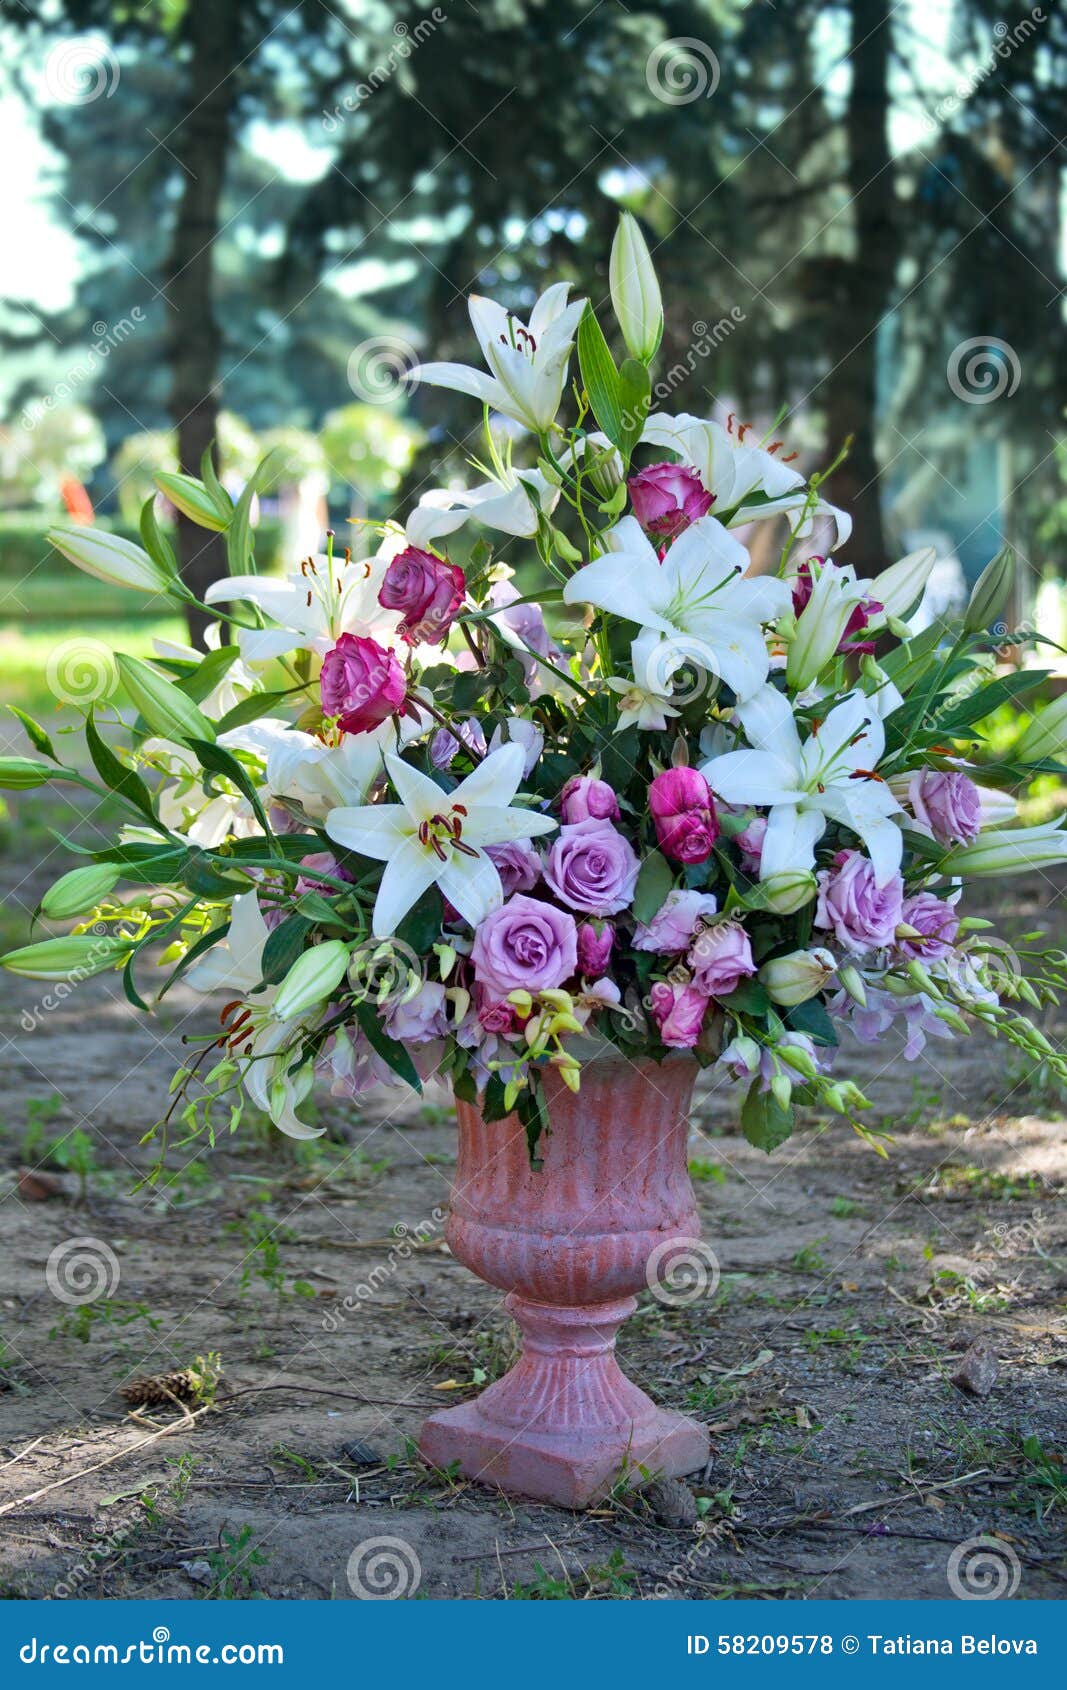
(571, 1244)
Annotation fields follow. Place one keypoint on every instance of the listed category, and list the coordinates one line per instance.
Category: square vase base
(571, 1470)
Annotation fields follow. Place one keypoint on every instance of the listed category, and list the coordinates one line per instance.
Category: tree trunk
(195, 342)
(867, 283)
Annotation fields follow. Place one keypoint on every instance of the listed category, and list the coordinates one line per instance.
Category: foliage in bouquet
(405, 820)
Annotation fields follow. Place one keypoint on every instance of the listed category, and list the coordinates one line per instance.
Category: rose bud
(666, 498)
(427, 591)
(361, 684)
(684, 813)
(586, 799)
(596, 940)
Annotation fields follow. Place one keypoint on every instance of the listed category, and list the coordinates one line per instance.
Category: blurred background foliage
(244, 219)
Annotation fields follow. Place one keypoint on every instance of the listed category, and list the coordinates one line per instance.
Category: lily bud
(635, 293)
(852, 981)
(80, 890)
(313, 976)
(796, 1057)
(18, 773)
(1046, 734)
(788, 891)
(169, 712)
(797, 977)
(192, 498)
(899, 588)
(990, 593)
(74, 958)
(1008, 850)
(110, 558)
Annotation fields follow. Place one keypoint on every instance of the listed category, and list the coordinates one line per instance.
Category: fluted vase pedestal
(571, 1244)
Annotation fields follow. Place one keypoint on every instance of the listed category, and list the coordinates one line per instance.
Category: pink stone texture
(570, 1244)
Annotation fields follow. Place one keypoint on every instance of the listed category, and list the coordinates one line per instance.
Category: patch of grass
(708, 1171)
(38, 661)
(234, 1564)
(608, 1579)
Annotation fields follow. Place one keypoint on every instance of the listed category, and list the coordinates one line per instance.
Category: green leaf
(390, 1050)
(218, 761)
(219, 496)
(154, 540)
(811, 1018)
(204, 943)
(422, 924)
(126, 782)
(763, 1120)
(208, 672)
(600, 378)
(163, 705)
(493, 1106)
(749, 998)
(282, 948)
(654, 881)
(250, 709)
(634, 394)
(533, 1113)
(35, 733)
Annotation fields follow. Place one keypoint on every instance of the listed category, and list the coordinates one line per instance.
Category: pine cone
(159, 1388)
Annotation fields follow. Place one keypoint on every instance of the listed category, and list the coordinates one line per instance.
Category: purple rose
(674, 923)
(361, 684)
(948, 803)
(721, 958)
(445, 746)
(527, 945)
(750, 844)
(592, 868)
(596, 940)
(427, 590)
(935, 921)
(586, 799)
(678, 1012)
(666, 498)
(421, 1018)
(684, 813)
(863, 915)
(517, 864)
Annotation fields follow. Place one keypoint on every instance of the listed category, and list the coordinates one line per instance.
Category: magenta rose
(863, 915)
(526, 945)
(320, 862)
(721, 958)
(426, 590)
(948, 803)
(666, 498)
(857, 622)
(596, 940)
(494, 1016)
(361, 684)
(684, 813)
(935, 921)
(517, 864)
(592, 868)
(586, 799)
(674, 923)
(678, 1012)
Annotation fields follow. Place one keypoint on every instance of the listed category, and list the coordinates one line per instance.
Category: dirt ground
(845, 1462)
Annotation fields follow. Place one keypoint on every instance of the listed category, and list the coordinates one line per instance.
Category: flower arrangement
(413, 820)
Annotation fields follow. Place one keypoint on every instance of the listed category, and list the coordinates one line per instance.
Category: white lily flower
(820, 627)
(736, 471)
(899, 588)
(828, 777)
(437, 837)
(236, 962)
(325, 777)
(528, 362)
(311, 607)
(646, 700)
(504, 503)
(699, 596)
(266, 1074)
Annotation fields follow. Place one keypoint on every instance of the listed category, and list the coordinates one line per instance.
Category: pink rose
(948, 803)
(324, 862)
(935, 921)
(596, 940)
(585, 799)
(678, 1012)
(495, 1017)
(361, 684)
(750, 843)
(427, 590)
(863, 915)
(592, 868)
(721, 958)
(666, 498)
(527, 945)
(674, 923)
(684, 813)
